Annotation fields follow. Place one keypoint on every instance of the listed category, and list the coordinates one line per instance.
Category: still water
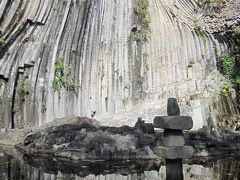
(46, 169)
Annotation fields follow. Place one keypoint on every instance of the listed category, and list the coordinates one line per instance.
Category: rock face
(82, 57)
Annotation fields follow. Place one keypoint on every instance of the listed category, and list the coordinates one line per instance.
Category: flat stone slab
(173, 122)
(184, 152)
(173, 138)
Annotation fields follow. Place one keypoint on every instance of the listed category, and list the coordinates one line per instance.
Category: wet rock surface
(85, 139)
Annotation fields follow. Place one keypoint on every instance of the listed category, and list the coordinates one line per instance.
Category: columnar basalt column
(174, 149)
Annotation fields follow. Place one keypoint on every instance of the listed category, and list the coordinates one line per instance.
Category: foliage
(225, 87)
(238, 80)
(23, 88)
(198, 29)
(144, 20)
(58, 81)
(216, 4)
(140, 80)
(226, 63)
(43, 107)
(145, 55)
(72, 85)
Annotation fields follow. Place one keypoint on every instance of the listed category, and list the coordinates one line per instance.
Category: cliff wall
(85, 58)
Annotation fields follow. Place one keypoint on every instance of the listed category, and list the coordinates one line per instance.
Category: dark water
(50, 169)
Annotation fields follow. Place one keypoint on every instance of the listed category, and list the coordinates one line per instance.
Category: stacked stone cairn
(174, 148)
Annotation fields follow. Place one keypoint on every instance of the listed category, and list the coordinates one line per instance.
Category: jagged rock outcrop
(104, 70)
(85, 139)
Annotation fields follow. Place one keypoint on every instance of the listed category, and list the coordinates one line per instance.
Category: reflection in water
(35, 169)
(174, 169)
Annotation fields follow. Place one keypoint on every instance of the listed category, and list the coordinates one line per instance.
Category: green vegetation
(43, 107)
(72, 85)
(140, 80)
(19, 12)
(143, 27)
(216, 4)
(58, 81)
(145, 55)
(22, 90)
(238, 80)
(198, 29)
(226, 64)
(225, 87)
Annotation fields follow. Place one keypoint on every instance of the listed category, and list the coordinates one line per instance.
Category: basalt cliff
(117, 60)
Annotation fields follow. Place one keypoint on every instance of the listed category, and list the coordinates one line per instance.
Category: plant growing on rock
(226, 63)
(238, 80)
(225, 87)
(198, 30)
(143, 27)
(58, 81)
(72, 85)
(22, 90)
(216, 5)
(43, 107)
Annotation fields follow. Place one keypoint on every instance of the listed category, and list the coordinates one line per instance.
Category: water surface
(46, 169)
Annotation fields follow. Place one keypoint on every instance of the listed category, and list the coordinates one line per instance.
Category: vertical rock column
(174, 149)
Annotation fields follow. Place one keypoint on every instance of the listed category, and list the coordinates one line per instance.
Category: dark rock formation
(84, 139)
(172, 107)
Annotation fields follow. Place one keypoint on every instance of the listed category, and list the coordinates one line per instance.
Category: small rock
(147, 128)
(172, 107)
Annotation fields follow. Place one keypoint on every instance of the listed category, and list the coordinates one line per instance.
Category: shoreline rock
(85, 139)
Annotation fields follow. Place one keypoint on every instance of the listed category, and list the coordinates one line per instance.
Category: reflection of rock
(86, 168)
(54, 168)
(176, 152)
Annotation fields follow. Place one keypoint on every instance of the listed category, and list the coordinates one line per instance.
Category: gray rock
(173, 122)
(184, 152)
(173, 138)
(144, 127)
(172, 107)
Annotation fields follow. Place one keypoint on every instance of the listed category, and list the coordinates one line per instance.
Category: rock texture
(84, 139)
(110, 75)
(44, 168)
